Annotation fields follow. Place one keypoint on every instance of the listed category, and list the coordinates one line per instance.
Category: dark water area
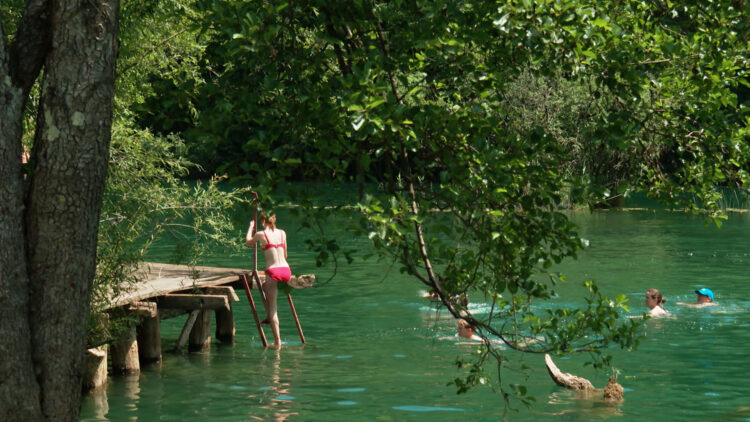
(376, 350)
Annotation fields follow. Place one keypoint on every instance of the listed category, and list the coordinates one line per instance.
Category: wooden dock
(163, 279)
(169, 291)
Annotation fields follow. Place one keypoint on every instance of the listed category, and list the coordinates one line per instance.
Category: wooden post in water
(225, 329)
(125, 354)
(224, 325)
(149, 333)
(200, 335)
(182, 339)
(95, 372)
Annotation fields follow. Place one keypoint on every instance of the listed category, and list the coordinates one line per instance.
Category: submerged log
(564, 379)
(613, 391)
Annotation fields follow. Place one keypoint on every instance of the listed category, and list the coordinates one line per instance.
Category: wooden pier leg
(149, 339)
(95, 374)
(182, 339)
(125, 355)
(225, 324)
(200, 335)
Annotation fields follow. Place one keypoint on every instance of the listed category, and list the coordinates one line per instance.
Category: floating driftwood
(612, 392)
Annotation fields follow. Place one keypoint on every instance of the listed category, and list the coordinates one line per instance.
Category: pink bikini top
(269, 245)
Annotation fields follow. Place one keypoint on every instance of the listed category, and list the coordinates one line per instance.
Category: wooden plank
(182, 301)
(227, 291)
(161, 279)
(142, 309)
(171, 313)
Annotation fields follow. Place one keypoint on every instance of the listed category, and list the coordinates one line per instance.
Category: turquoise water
(377, 351)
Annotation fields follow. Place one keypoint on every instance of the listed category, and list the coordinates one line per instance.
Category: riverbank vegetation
(498, 114)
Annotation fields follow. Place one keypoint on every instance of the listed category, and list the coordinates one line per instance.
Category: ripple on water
(427, 409)
(351, 390)
(346, 403)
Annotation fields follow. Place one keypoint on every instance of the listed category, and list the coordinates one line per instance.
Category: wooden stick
(255, 313)
(256, 277)
(296, 320)
(186, 330)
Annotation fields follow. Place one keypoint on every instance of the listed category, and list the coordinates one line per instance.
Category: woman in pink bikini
(273, 244)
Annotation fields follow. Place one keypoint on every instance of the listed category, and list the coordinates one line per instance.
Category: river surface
(378, 351)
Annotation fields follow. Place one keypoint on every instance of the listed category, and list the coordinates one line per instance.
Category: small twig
(149, 52)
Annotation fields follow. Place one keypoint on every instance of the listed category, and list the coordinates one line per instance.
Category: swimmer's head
(654, 298)
(706, 293)
(464, 328)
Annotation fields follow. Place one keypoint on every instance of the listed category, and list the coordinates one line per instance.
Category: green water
(374, 348)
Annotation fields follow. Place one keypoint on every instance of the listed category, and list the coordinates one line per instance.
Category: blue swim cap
(706, 292)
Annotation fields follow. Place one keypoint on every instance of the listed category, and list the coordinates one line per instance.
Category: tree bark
(19, 391)
(47, 257)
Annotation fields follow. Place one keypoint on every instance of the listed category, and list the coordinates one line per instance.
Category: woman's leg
(269, 287)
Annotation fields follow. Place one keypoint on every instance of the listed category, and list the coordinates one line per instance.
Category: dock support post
(95, 374)
(149, 338)
(125, 354)
(225, 324)
(200, 335)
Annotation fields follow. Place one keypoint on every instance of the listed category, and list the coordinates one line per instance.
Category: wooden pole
(296, 320)
(200, 335)
(186, 330)
(255, 313)
(149, 339)
(125, 354)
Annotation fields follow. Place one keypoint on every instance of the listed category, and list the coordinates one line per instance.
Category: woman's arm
(249, 241)
(284, 233)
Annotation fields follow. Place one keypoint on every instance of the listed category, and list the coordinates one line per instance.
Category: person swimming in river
(654, 301)
(465, 330)
(705, 297)
(278, 273)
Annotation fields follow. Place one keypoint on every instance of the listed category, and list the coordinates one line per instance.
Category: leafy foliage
(428, 101)
(477, 122)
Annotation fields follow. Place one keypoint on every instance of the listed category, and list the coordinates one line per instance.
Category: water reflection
(98, 404)
(583, 405)
(280, 402)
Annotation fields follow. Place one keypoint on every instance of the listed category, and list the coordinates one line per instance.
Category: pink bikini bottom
(278, 274)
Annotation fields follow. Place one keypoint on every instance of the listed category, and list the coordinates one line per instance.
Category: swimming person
(705, 298)
(465, 330)
(273, 244)
(654, 301)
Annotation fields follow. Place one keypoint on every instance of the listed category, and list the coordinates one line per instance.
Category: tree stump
(95, 371)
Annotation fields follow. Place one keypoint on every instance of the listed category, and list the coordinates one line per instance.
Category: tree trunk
(48, 247)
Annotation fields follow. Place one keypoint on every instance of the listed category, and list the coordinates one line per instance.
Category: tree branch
(30, 45)
(157, 45)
